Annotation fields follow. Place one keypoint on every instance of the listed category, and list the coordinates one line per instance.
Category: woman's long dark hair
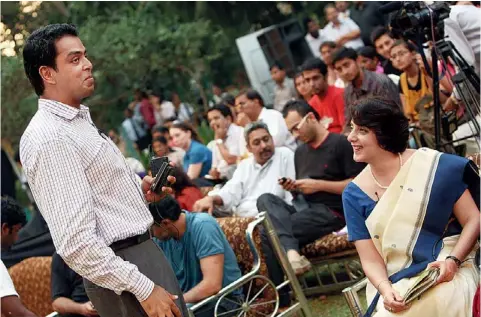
(186, 127)
(182, 180)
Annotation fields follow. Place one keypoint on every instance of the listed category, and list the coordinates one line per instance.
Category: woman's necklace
(374, 178)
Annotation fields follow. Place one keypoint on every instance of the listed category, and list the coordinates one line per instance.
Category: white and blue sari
(413, 225)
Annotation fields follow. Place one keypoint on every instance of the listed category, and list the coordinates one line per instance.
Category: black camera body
(161, 169)
(416, 17)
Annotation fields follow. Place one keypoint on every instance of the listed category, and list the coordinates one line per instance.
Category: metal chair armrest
(255, 268)
(352, 298)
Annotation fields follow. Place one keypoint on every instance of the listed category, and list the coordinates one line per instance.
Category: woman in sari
(409, 211)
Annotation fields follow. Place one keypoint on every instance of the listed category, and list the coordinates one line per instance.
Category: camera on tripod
(419, 22)
(414, 17)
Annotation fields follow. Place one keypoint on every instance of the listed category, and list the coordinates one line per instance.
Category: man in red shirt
(328, 101)
(147, 110)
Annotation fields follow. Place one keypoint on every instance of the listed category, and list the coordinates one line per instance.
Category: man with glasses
(324, 165)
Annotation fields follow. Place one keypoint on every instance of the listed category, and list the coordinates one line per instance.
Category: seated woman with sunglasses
(408, 211)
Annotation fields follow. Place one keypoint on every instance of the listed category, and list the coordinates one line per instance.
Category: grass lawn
(332, 305)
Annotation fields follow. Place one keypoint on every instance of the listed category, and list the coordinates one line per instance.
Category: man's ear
(48, 74)
(5, 229)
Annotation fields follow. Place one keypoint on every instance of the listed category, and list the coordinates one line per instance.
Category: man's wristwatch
(219, 141)
(455, 259)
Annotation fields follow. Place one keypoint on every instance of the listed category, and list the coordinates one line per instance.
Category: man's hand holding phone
(287, 184)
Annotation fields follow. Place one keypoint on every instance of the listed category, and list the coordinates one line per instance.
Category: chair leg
(286, 266)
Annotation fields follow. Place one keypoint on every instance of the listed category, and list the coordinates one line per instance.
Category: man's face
(341, 6)
(9, 235)
(217, 120)
(73, 76)
(401, 57)
(383, 46)
(326, 53)
(301, 127)
(313, 28)
(162, 232)
(315, 80)
(261, 145)
(278, 75)
(216, 90)
(367, 63)
(332, 14)
(160, 149)
(249, 107)
(347, 69)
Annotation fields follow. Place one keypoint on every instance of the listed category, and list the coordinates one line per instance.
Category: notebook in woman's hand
(424, 282)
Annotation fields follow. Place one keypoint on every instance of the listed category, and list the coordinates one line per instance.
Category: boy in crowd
(284, 89)
(327, 100)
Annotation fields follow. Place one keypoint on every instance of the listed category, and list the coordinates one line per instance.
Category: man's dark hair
(328, 44)
(162, 140)
(252, 94)
(385, 119)
(40, 50)
(342, 53)
(314, 63)
(378, 32)
(223, 109)
(161, 129)
(129, 111)
(228, 99)
(166, 208)
(368, 52)
(306, 23)
(301, 107)
(12, 213)
(276, 64)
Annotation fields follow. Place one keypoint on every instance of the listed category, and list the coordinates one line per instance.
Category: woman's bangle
(455, 259)
(381, 283)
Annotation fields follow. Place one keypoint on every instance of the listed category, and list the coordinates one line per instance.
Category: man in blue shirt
(199, 253)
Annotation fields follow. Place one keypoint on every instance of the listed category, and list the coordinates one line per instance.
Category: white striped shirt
(87, 194)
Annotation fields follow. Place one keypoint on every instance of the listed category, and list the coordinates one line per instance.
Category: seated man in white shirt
(252, 105)
(229, 143)
(254, 176)
(13, 219)
(134, 131)
(343, 31)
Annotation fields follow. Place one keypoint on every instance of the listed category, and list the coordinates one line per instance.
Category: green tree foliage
(172, 45)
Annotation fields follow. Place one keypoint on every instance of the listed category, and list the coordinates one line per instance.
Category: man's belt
(129, 242)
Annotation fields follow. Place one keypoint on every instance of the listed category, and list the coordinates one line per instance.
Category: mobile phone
(161, 169)
(283, 180)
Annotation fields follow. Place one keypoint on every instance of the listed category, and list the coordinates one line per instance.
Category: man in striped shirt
(94, 204)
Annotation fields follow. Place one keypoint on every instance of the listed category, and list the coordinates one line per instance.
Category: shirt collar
(262, 114)
(62, 110)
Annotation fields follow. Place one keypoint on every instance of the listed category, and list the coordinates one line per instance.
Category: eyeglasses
(299, 125)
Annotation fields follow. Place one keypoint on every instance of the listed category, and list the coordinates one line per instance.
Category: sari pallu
(412, 225)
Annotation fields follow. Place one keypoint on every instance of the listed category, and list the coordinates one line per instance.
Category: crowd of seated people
(322, 157)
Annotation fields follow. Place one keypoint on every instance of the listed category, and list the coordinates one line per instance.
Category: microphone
(391, 6)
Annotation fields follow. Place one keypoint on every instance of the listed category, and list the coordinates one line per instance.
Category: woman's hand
(393, 302)
(447, 270)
